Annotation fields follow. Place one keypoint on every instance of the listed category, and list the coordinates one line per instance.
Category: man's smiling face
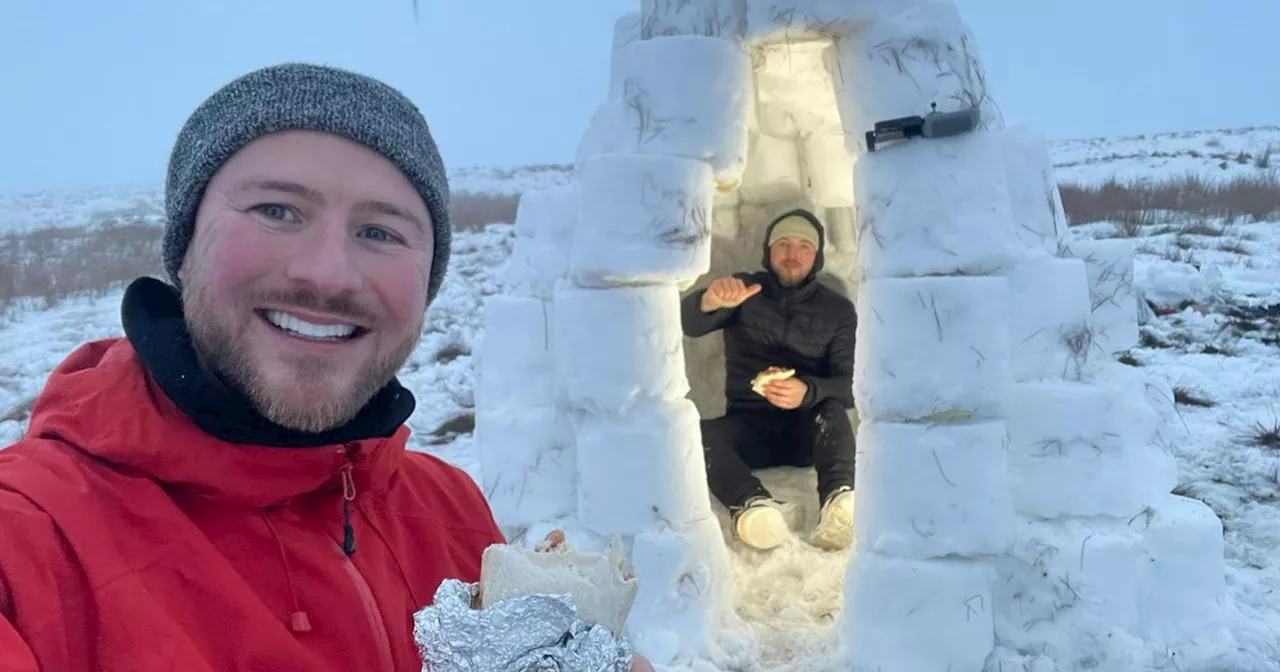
(305, 283)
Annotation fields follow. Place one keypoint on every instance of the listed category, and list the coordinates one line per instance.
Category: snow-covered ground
(1211, 154)
(1217, 347)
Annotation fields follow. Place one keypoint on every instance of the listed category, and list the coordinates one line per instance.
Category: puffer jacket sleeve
(838, 383)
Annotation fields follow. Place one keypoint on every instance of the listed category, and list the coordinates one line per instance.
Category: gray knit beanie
(298, 96)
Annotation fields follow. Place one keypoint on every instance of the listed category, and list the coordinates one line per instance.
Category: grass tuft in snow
(1225, 350)
(1185, 397)
(459, 425)
(1128, 359)
(451, 352)
(1263, 435)
(1149, 339)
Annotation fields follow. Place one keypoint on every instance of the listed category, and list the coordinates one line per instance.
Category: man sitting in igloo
(789, 344)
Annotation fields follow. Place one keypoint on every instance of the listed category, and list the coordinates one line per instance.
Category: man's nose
(325, 260)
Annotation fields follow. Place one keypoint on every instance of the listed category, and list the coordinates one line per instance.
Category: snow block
(1068, 455)
(1149, 422)
(1050, 335)
(917, 615)
(641, 470)
(929, 491)
(625, 31)
(700, 114)
(1070, 591)
(515, 354)
(724, 223)
(1115, 313)
(934, 207)
(685, 594)
(902, 62)
(794, 92)
(554, 209)
(773, 171)
(773, 21)
(840, 239)
(712, 18)
(617, 347)
(518, 272)
(829, 169)
(1167, 426)
(642, 220)
(1185, 589)
(551, 213)
(526, 464)
(930, 347)
(1032, 190)
(544, 231)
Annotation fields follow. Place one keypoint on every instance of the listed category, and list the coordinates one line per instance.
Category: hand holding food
(551, 608)
(768, 376)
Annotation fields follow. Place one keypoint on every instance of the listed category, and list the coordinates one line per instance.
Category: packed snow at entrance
(1015, 506)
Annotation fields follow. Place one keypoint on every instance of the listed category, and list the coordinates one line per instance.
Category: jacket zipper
(348, 496)
(376, 624)
(379, 628)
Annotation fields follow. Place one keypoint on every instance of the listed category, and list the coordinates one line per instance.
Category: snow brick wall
(1014, 506)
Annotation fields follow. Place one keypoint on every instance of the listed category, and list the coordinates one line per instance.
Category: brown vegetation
(43, 266)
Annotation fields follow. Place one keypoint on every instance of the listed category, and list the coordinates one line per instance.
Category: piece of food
(602, 592)
(769, 375)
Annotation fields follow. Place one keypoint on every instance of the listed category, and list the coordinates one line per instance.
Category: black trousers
(743, 440)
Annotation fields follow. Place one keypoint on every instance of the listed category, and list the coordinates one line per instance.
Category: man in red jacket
(227, 487)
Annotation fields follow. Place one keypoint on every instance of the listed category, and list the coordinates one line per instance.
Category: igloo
(1014, 506)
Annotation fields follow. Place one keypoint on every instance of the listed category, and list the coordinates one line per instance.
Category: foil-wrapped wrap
(536, 633)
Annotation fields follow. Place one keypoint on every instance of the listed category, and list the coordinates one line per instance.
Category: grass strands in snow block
(642, 220)
(905, 614)
(527, 467)
(932, 346)
(933, 490)
(935, 207)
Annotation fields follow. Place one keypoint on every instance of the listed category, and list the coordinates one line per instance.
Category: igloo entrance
(999, 479)
(796, 157)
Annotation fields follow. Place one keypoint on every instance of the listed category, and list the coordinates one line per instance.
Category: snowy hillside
(1214, 281)
(1213, 154)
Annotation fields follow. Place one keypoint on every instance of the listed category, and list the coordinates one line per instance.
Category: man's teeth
(293, 324)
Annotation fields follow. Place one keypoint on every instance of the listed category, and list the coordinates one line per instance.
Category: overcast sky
(92, 92)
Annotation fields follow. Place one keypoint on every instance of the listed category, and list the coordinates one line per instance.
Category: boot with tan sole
(760, 524)
(834, 530)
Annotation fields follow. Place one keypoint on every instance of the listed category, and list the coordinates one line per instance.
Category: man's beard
(788, 278)
(223, 353)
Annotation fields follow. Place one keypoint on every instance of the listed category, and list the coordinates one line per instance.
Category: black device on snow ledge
(933, 125)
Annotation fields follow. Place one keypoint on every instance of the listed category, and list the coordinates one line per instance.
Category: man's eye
(274, 211)
(379, 235)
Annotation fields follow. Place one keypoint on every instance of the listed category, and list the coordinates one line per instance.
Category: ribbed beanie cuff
(297, 96)
(795, 225)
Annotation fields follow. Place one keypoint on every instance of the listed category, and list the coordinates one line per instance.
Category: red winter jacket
(131, 540)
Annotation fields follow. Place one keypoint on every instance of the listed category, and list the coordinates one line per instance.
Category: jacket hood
(102, 401)
(818, 261)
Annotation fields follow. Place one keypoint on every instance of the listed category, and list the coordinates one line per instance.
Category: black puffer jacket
(807, 327)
